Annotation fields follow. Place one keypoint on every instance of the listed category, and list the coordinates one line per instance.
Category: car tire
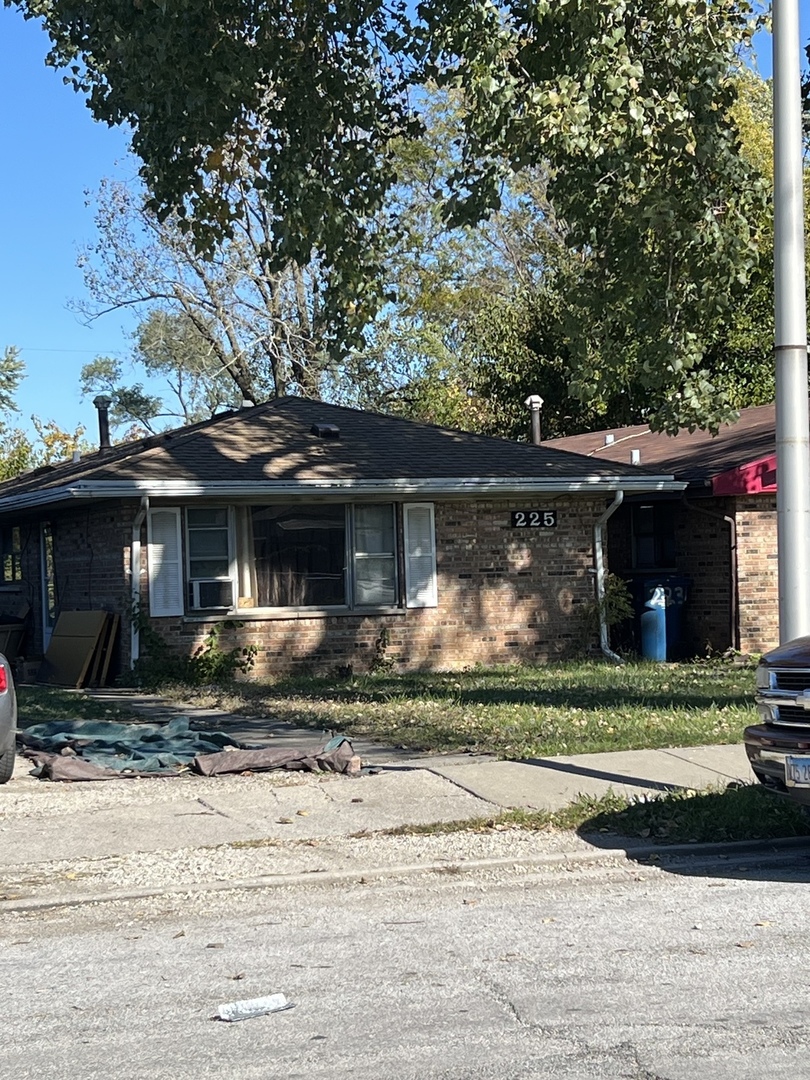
(7, 762)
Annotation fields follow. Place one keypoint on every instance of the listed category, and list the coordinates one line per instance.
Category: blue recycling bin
(654, 627)
(676, 592)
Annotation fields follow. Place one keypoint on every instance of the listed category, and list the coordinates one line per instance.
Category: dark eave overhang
(445, 487)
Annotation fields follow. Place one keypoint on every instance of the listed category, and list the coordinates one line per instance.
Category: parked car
(8, 721)
(778, 747)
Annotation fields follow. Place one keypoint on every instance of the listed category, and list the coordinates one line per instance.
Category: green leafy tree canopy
(626, 102)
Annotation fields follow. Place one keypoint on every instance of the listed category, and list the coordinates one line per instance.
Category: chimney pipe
(635, 457)
(103, 403)
(610, 438)
(535, 403)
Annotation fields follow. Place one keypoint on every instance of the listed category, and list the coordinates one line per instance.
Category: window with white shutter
(165, 562)
(420, 555)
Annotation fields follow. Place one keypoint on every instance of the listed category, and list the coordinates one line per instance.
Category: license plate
(797, 771)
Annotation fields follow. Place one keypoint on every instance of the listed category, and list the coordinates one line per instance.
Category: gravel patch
(155, 870)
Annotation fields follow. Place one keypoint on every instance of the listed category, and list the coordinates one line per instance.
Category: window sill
(278, 614)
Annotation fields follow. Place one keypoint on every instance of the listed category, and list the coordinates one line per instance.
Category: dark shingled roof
(274, 442)
(695, 456)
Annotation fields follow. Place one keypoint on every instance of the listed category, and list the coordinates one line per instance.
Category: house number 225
(534, 519)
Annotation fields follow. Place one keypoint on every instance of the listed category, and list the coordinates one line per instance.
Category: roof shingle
(274, 442)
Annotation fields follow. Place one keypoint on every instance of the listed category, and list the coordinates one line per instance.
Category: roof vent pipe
(610, 438)
(635, 457)
(103, 403)
(535, 403)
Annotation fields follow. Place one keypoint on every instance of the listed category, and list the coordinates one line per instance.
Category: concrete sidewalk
(41, 821)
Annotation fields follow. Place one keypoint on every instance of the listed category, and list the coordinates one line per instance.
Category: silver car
(8, 721)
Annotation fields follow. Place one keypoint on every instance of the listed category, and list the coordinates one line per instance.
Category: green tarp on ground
(142, 748)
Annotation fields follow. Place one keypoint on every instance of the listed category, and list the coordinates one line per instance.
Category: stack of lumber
(80, 649)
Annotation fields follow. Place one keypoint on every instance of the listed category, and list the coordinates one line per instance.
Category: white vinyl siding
(165, 561)
(420, 556)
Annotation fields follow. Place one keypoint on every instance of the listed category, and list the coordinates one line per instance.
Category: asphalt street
(693, 969)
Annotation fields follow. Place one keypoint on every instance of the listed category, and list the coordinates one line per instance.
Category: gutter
(599, 561)
(451, 487)
(135, 581)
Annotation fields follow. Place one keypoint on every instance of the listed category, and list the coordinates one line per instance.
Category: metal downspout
(734, 626)
(599, 562)
(135, 581)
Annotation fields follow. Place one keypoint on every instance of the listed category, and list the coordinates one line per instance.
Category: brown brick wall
(704, 557)
(757, 573)
(504, 596)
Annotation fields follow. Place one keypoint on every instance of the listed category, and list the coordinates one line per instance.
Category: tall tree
(227, 319)
(626, 101)
(517, 340)
(170, 348)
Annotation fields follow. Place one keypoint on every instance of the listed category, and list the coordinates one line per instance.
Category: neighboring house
(323, 536)
(717, 541)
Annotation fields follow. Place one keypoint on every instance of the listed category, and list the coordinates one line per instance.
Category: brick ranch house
(719, 535)
(307, 530)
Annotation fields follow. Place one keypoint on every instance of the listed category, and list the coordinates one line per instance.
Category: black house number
(534, 519)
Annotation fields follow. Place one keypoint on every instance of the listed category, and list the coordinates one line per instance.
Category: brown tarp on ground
(335, 756)
(59, 767)
(339, 758)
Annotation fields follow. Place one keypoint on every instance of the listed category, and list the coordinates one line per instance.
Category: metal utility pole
(792, 417)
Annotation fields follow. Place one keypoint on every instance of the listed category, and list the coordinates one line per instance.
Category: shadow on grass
(38, 704)
(745, 813)
(575, 695)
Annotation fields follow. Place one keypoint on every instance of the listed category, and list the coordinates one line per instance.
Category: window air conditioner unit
(212, 593)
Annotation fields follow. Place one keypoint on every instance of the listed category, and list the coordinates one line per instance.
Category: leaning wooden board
(72, 646)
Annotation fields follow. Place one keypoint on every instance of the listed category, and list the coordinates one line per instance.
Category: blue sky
(54, 153)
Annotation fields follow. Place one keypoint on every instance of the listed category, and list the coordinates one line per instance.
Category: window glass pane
(645, 520)
(208, 568)
(375, 581)
(48, 577)
(645, 552)
(207, 542)
(374, 530)
(654, 536)
(300, 555)
(10, 554)
(207, 537)
(208, 515)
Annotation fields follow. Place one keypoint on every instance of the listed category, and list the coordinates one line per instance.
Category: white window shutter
(420, 556)
(165, 562)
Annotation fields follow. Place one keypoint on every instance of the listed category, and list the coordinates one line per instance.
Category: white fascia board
(455, 487)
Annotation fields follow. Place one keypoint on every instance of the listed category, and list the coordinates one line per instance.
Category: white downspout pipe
(599, 561)
(135, 580)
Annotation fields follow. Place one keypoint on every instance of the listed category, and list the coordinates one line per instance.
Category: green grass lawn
(748, 812)
(514, 712)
